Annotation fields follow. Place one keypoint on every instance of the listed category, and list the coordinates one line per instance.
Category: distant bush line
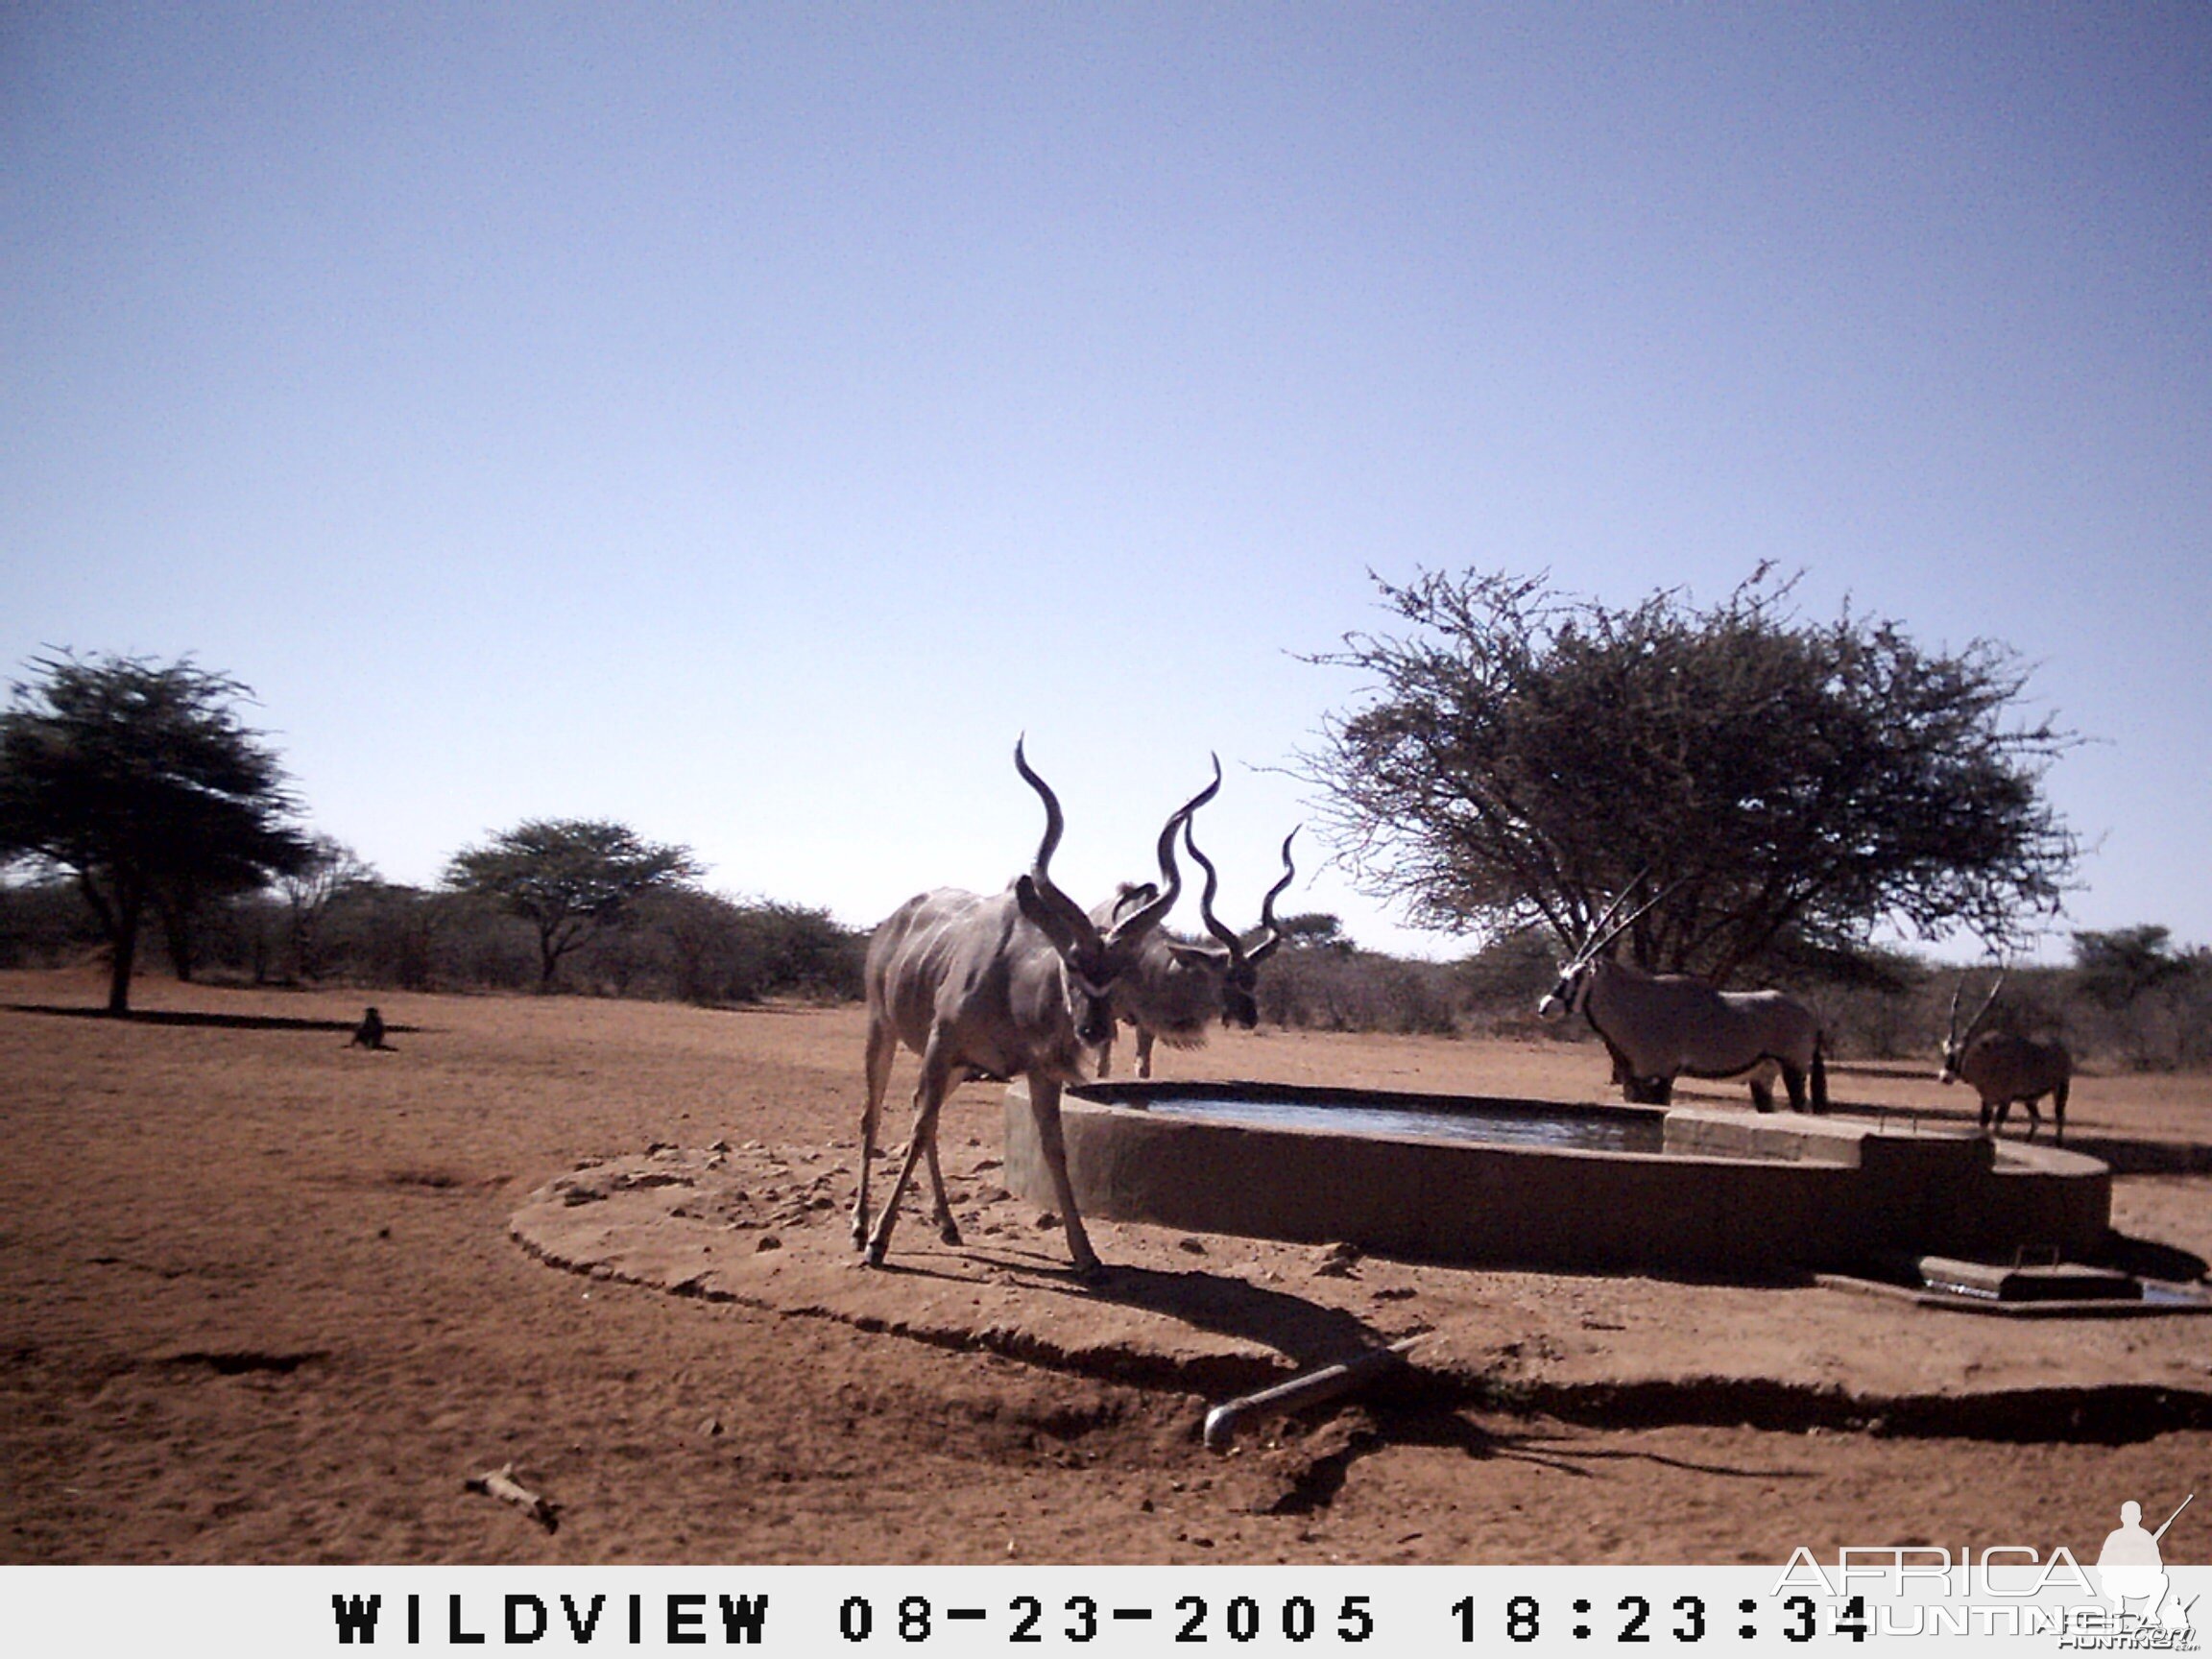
(677, 944)
(689, 945)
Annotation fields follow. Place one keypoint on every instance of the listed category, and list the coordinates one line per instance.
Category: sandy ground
(264, 1300)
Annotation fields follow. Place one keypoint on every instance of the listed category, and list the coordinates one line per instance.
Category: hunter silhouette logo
(2125, 1602)
(2131, 1568)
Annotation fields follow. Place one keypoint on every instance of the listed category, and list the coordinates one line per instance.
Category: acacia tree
(330, 870)
(1523, 756)
(2118, 968)
(568, 878)
(2154, 1000)
(140, 781)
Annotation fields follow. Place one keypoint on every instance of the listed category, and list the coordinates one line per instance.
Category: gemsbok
(1174, 989)
(1013, 984)
(2004, 1067)
(1660, 1027)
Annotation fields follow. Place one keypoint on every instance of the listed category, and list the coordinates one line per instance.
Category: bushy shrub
(707, 949)
(679, 944)
(1359, 990)
(43, 924)
(1334, 986)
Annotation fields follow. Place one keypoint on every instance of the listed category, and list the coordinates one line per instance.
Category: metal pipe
(1326, 1383)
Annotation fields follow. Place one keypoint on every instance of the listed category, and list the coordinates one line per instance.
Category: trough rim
(1817, 1192)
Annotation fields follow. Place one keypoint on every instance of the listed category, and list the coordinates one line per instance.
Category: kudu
(1016, 983)
(1660, 1027)
(2004, 1067)
(1174, 989)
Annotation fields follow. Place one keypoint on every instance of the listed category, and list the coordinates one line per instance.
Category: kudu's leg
(1144, 1052)
(2058, 1112)
(948, 1229)
(928, 1102)
(883, 1050)
(1106, 1050)
(1045, 1112)
(1762, 1092)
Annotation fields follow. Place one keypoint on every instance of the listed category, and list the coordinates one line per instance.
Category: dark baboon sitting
(370, 1033)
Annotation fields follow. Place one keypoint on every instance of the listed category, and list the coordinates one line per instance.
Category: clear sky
(743, 421)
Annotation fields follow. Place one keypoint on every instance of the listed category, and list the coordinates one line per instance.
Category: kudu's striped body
(2002, 1068)
(1660, 1026)
(1173, 990)
(1011, 984)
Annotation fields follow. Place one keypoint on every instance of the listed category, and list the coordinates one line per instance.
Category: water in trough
(1509, 1123)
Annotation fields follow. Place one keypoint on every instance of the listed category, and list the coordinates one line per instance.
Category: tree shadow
(189, 1018)
(1389, 1419)
(1449, 1428)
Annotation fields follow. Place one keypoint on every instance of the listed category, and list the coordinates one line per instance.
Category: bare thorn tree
(332, 871)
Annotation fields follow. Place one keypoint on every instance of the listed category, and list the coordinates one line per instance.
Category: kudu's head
(1092, 960)
(1237, 966)
(1955, 1041)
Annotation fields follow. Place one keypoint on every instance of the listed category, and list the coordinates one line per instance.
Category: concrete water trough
(1524, 1183)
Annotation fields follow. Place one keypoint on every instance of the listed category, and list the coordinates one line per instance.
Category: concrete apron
(1209, 1313)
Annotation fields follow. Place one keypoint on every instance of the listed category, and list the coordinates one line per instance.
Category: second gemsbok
(2002, 1067)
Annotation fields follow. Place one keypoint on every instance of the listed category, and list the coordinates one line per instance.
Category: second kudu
(1173, 990)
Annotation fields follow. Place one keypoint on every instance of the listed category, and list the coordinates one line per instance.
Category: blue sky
(744, 421)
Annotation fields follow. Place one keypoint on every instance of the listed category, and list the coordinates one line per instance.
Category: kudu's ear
(1132, 898)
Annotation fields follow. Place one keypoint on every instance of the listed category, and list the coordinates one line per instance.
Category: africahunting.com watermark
(2124, 1601)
